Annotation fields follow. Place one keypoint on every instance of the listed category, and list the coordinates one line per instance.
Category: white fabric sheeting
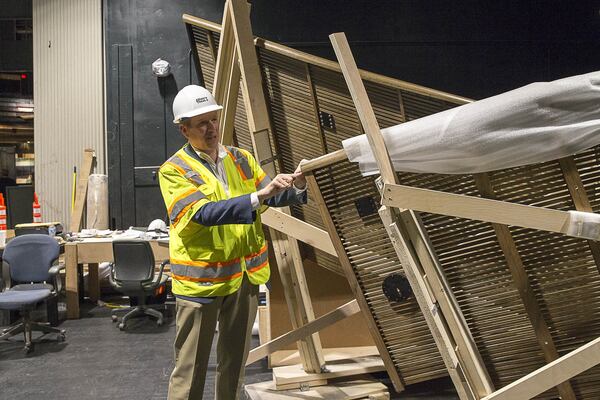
(532, 124)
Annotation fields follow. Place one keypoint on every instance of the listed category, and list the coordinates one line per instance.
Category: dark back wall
(15, 55)
(471, 48)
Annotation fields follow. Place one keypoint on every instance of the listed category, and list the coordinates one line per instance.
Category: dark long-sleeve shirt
(238, 210)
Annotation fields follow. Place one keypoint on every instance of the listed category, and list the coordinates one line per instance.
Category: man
(214, 196)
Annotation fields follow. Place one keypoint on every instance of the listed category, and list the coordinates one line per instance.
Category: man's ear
(183, 130)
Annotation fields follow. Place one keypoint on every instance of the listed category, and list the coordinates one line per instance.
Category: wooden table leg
(71, 280)
(93, 282)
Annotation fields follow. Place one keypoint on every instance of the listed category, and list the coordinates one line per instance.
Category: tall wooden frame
(462, 365)
(237, 58)
(423, 248)
(280, 222)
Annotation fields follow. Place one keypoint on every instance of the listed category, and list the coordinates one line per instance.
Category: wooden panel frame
(446, 344)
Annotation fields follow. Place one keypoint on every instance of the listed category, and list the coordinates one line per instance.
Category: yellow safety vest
(211, 260)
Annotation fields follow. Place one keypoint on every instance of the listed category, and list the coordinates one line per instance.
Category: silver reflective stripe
(208, 272)
(264, 183)
(183, 203)
(189, 172)
(257, 260)
(242, 161)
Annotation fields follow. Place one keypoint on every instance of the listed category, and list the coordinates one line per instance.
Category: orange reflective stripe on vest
(198, 271)
(184, 202)
(256, 260)
(241, 163)
(186, 170)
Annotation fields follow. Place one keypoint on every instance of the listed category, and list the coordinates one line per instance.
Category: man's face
(202, 131)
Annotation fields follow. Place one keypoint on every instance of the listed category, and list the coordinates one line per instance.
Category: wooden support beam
(363, 106)
(354, 286)
(521, 282)
(560, 370)
(298, 229)
(71, 281)
(475, 208)
(428, 304)
(252, 87)
(287, 251)
(580, 198)
(292, 377)
(317, 325)
(333, 66)
(227, 79)
(395, 226)
(87, 166)
(463, 342)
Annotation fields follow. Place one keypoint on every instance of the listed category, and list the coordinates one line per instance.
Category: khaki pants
(193, 340)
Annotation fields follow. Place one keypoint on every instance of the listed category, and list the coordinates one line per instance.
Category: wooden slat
(71, 281)
(354, 286)
(466, 349)
(227, 80)
(395, 226)
(333, 66)
(475, 208)
(317, 325)
(363, 106)
(566, 367)
(521, 282)
(299, 230)
(287, 250)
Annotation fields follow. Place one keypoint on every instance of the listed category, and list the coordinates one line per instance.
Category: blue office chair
(132, 273)
(29, 276)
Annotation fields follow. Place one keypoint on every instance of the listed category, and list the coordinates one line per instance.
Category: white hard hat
(158, 225)
(193, 100)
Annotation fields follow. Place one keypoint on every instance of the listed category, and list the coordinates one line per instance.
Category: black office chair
(30, 275)
(132, 273)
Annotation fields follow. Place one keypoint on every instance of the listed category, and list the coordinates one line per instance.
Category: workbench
(92, 252)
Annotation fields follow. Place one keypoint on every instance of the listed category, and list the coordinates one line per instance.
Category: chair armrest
(5, 281)
(55, 275)
(111, 275)
(55, 269)
(157, 278)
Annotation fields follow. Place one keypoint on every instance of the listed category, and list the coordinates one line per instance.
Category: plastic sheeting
(532, 124)
(97, 202)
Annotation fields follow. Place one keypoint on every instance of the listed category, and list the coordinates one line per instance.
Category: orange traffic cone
(2, 213)
(2, 221)
(37, 210)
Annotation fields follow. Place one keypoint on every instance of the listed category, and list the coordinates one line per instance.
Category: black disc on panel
(396, 288)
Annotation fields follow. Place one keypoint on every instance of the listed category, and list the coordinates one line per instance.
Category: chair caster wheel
(122, 326)
(159, 322)
(62, 336)
(28, 349)
(114, 318)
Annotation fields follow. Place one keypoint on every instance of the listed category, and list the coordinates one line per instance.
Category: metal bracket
(365, 206)
(326, 120)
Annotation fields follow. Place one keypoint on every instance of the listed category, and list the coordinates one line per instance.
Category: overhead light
(25, 109)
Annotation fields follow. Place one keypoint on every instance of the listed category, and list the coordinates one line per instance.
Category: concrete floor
(97, 361)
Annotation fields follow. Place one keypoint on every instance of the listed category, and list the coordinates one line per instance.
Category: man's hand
(299, 179)
(281, 183)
